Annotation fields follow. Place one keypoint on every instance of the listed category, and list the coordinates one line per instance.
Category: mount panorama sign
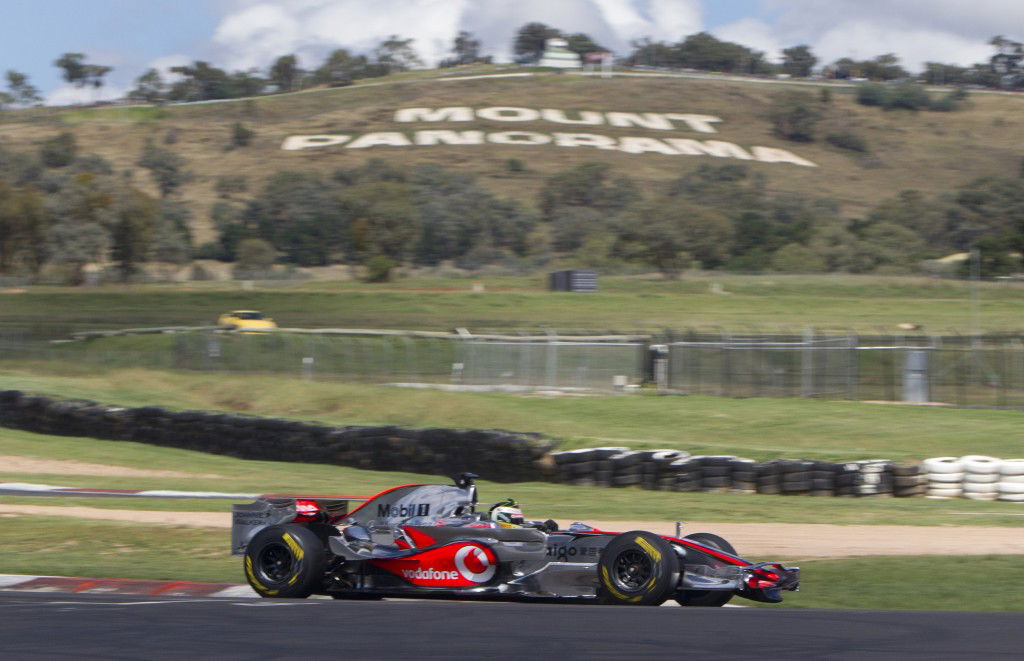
(567, 138)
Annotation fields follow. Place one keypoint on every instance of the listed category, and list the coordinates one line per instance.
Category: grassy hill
(927, 151)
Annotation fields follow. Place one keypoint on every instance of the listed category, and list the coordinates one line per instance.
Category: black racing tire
(707, 598)
(637, 568)
(286, 562)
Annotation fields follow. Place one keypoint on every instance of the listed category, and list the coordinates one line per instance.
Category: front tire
(637, 568)
(707, 598)
(285, 562)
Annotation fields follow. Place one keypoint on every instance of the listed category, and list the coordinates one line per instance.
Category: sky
(134, 35)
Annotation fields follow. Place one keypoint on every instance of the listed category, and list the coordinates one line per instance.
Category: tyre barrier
(496, 455)
(670, 470)
(976, 477)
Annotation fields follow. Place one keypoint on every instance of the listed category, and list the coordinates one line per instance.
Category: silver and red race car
(430, 540)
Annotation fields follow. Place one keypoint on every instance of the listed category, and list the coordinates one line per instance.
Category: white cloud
(257, 32)
(69, 95)
(753, 33)
(951, 31)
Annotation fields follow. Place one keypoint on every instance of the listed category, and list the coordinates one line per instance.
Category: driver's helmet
(507, 512)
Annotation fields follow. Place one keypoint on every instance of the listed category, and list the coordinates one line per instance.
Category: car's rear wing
(275, 509)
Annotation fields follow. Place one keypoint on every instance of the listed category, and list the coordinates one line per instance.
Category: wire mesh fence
(955, 370)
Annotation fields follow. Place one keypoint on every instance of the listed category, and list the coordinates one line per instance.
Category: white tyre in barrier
(943, 465)
(944, 493)
(1012, 467)
(1012, 497)
(1011, 487)
(981, 477)
(981, 496)
(980, 487)
(946, 477)
(1018, 479)
(978, 463)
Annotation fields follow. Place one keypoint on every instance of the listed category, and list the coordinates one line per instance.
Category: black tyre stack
(687, 474)
(908, 480)
(796, 477)
(768, 477)
(823, 478)
(743, 475)
(586, 467)
(716, 473)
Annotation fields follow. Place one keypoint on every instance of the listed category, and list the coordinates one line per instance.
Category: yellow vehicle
(246, 320)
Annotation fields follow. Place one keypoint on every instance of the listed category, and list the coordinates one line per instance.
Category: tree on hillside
(341, 68)
(80, 74)
(285, 73)
(149, 87)
(465, 49)
(166, 167)
(21, 91)
(706, 52)
(131, 229)
(798, 61)
(1008, 62)
(582, 44)
(531, 38)
(651, 53)
(202, 82)
(668, 235)
(397, 54)
(590, 185)
(24, 224)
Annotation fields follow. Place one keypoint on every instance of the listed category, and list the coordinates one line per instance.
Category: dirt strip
(779, 541)
(19, 464)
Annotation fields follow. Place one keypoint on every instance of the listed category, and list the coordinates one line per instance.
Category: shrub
(378, 269)
(848, 140)
(794, 116)
(241, 135)
(873, 94)
(909, 96)
(58, 151)
(227, 184)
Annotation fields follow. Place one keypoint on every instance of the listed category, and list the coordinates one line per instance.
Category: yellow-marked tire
(285, 562)
(637, 568)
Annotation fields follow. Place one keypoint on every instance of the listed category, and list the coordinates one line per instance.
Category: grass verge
(759, 428)
(954, 583)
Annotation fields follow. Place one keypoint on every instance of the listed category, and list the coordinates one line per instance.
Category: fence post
(552, 360)
(807, 364)
(915, 376)
(852, 371)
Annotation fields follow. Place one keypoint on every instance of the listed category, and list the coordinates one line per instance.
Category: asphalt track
(90, 626)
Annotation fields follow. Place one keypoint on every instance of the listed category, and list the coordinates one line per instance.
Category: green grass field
(759, 428)
(834, 303)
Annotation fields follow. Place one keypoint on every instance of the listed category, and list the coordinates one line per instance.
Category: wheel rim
(275, 563)
(633, 569)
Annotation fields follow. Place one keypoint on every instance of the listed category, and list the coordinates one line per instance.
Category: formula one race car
(429, 540)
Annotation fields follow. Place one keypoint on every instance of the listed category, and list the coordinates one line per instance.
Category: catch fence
(957, 370)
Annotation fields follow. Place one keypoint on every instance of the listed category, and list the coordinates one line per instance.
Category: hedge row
(671, 470)
(493, 454)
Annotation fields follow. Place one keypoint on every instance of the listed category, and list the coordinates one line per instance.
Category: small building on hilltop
(557, 54)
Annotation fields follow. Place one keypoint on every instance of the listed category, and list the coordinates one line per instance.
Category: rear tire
(285, 561)
(707, 598)
(637, 568)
